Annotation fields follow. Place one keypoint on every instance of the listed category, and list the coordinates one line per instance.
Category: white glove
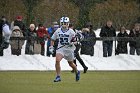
(51, 49)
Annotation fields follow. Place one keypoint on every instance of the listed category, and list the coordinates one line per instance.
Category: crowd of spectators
(37, 35)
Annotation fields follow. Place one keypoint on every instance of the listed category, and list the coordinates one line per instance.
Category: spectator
(31, 35)
(19, 22)
(16, 45)
(87, 47)
(122, 45)
(4, 38)
(51, 30)
(135, 45)
(107, 31)
(43, 35)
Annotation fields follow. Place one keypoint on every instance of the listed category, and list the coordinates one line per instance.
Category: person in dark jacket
(19, 22)
(135, 45)
(122, 45)
(31, 35)
(87, 47)
(4, 38)
(107, 31)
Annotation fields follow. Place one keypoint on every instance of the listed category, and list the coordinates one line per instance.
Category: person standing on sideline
(5, 34)
(16, 45)
(107, 31)
(65, 48)
(87, 47)
(122, 45)
(135, 45)
(79, 37)
(31, 35)
(43, 35)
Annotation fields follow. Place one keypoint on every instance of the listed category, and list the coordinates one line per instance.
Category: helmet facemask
(64, 22)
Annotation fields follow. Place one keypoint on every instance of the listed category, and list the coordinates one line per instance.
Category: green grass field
(91, 82)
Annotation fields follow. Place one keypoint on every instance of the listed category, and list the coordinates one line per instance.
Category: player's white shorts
(68, 54)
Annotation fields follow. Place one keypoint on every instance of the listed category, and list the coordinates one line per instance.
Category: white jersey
(64, 38)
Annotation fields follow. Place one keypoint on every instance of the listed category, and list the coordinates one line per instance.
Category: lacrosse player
(65, 47)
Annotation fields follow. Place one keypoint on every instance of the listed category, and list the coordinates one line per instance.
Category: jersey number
(64, 41)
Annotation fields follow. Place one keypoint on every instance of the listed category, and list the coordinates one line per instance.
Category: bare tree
(29, 5)
(84, 9)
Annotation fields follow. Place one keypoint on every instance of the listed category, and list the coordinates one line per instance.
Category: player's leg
(74, 67)
(74, 60)
(72, 71)
(70, 58)
(57, 66)
(81, 62)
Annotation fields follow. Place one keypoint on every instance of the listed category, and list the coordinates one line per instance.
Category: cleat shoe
(85, 69)
(57, 79)
(78, 76)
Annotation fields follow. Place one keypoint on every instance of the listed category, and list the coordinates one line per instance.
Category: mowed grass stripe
(91, 82)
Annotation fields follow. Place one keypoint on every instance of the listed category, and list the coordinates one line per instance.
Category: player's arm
(74, 38)
(51, 48)
(53, 38)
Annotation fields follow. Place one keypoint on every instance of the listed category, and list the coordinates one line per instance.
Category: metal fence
(115, 39)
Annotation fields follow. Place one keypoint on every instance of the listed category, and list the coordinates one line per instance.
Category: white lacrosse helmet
(64, 21)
